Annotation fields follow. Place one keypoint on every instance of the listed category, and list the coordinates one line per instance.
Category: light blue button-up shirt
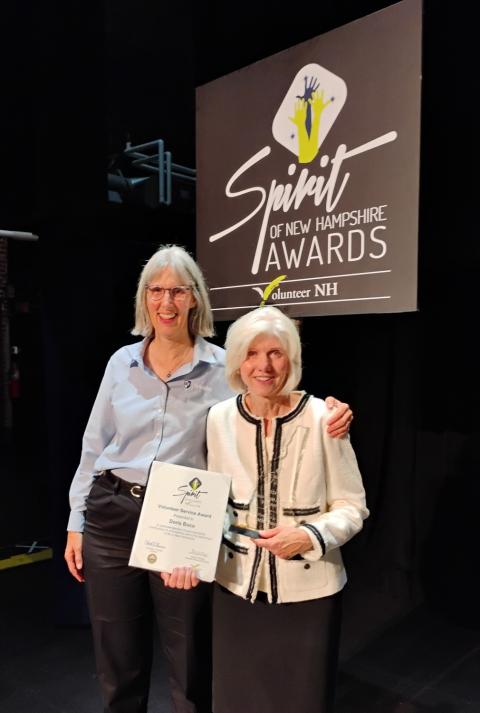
(138, 418)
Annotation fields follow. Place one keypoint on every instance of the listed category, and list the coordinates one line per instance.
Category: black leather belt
(120, 485)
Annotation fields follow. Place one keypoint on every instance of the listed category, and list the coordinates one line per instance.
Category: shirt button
(230, 554)
(235, 514)
(306, 566)
(303, 522)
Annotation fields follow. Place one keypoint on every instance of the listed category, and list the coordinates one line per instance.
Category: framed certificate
(181, 521)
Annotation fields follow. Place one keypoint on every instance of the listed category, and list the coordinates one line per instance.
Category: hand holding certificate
(181, 522)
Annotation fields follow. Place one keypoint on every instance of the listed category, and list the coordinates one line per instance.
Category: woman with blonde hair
(296, 497)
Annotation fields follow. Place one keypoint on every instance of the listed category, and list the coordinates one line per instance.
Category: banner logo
(308, 111)
(264, 294)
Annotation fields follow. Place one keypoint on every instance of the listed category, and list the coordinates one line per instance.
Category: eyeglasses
(177, 294)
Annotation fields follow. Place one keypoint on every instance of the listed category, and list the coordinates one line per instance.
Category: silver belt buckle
(136, 491)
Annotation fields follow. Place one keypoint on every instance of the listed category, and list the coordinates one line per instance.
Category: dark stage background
(80, 79)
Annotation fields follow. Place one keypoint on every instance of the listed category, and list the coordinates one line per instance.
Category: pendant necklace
(176, 365)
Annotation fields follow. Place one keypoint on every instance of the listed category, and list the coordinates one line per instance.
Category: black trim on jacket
(241, 549)
(273, 500)
(319, 537)
(297, 512)
(260, 488)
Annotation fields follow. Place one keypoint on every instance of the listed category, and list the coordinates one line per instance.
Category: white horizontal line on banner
(303, 279)
(314, 302)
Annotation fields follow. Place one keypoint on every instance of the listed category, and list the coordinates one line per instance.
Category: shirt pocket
(238, 511)
(231, 562)
(304, 576)
(300, 513)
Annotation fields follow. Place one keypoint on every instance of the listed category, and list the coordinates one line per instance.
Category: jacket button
(306, 566)
(235, 514)
(230, 554)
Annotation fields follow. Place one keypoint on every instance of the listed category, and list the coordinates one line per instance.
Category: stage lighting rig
(146, 173)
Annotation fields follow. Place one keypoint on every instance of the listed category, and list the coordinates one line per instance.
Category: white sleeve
(346, 504)
(98, 434)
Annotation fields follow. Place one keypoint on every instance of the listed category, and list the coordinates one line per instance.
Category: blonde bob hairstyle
(178, 259)
(264, 321)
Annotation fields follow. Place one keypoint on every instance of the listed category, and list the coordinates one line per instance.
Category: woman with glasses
(152, 404)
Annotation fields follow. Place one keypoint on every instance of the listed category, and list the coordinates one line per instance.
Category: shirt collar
(202, 351)
(137, 351)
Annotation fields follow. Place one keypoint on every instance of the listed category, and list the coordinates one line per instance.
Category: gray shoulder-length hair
(178, 259)
(262, 321)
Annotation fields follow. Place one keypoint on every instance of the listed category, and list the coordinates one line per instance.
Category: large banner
(308, 173)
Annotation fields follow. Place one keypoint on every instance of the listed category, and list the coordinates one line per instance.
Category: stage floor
(391, 662)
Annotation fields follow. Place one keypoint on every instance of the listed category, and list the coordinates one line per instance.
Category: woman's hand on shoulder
(73, 555)
(338, 424)
(180, 578)
(284, 541)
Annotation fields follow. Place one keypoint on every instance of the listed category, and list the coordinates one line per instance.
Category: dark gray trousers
(124, 600)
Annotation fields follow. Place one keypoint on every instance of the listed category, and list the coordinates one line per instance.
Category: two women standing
(152, 404)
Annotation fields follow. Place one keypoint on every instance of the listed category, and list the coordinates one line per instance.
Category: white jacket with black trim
(315, 484)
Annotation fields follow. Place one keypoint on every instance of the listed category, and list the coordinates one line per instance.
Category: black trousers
(123, 602)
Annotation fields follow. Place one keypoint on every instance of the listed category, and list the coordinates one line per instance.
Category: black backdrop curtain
(411, 378)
